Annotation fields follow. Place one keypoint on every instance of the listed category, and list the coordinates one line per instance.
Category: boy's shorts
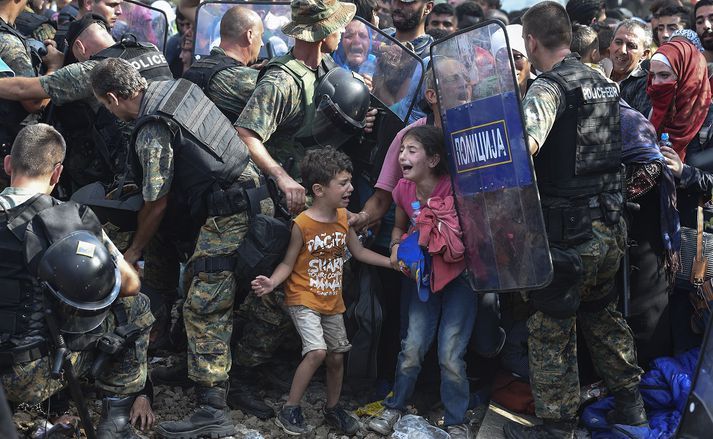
(319, 331)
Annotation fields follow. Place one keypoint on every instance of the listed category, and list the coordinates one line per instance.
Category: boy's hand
(262, 285)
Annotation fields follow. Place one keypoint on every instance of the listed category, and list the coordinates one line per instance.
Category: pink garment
(439, 232)
(390, 169)
(438, 227)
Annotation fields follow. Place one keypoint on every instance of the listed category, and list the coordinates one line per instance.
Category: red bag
(513, 393)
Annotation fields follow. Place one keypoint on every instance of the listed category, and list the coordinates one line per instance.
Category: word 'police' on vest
(599, 92)
(148, 60)
(481, 146)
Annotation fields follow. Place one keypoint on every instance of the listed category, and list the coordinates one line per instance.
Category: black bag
(363, 321)
(263, 248)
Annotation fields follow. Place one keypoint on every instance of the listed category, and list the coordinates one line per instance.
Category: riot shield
(146, 23)
(394, 75)
(493, 178)
(274, 15)
(392, 72)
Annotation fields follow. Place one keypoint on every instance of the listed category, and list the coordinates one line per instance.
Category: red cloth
(680, 109)
(439, 232)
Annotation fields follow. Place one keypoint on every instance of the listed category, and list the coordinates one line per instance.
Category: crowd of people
(288, 199)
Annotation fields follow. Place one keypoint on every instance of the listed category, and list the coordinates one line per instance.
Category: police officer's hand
(54, 58)
(132, 256)
(141, 415)
(294, 193)
(370, 119)
(262, 285)
(673, 161)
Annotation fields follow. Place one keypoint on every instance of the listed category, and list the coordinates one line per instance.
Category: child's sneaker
(290, 419)
(338, 418)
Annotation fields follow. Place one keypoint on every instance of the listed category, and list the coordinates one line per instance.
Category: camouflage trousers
(124, 374)
(267, 327)
(208, 310)
(552, 342)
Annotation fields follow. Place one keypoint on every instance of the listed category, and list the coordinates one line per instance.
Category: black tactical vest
(582, 154)
(202, 72)
(27, 22)
(208, 155)
(11, 112)
(99, 153)
(21, 307)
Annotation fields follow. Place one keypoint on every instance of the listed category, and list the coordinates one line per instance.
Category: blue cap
(664, 137)
(415, 205)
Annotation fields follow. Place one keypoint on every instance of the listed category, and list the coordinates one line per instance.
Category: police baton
(63, 366)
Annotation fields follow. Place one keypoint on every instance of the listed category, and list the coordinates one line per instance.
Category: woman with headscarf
(681, 100)
(654, 234)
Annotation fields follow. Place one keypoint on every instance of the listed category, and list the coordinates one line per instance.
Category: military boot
(549, 429)
(628, 408)
(244, 394)
(114, 421)
(210, 418)
(176, 375)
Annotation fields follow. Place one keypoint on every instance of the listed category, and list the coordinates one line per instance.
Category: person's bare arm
(149, 219)
(21, 88)
(375, 208)
(130, 282)
(363, 254)
(262, 285)
(400, 227)
(294, 192)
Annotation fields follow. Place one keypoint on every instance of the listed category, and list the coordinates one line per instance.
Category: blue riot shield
(493, 178)
(146, 23)
(274, 15)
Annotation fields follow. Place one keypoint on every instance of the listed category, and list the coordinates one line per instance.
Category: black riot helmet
(82, 280)
(342, 102)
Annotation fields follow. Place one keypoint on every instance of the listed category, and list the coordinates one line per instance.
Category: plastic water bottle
(664, 140)
(416, 207)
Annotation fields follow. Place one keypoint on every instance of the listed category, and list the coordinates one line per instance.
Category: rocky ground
(172, 403)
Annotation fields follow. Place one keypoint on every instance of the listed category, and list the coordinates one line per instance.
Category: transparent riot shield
(394, 76)
(697, 421)
(392, 72)
(274, 15)
(147, 24)
(491, 170)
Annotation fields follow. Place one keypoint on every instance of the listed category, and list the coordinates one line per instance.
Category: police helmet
(82, 280)
(342, 102)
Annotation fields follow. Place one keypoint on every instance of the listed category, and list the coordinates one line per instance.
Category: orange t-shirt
(316, 278)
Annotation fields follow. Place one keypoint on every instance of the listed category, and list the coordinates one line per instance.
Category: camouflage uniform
(552, 342)
(123, 375)
(208, 309)
(70, 83)
(231, 88)
(275, 112)
(15, 55)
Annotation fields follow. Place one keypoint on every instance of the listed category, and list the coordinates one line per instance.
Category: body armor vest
(307, 81)
(208, 155)
(21, 309)
(11, 113)
(100, 153)
(26, 231)
(202, 72)
(582, 154)
(27, 22)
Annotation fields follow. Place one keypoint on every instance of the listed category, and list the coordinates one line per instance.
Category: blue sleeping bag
(665, 391)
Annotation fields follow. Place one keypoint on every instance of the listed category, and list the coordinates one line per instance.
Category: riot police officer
(224, 75)
(187, 149)
(573, 124)
(57, 261)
